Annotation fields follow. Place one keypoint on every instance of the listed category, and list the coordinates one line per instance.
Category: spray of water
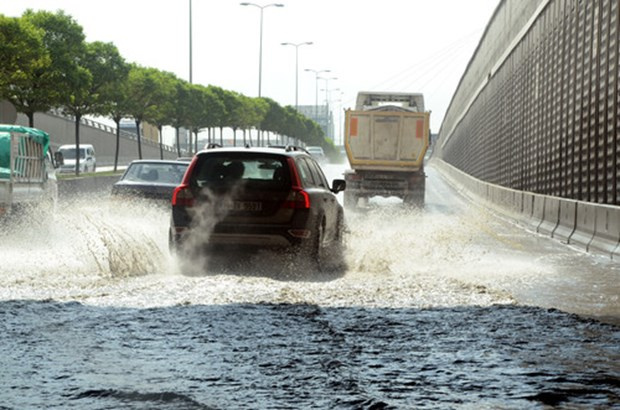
(109, 252)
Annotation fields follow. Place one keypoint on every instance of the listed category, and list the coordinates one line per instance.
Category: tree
(143, 86)
(180, 109)
(240, 109)
(46, 83)
(227, 99)
(214, 109)
(22, 54)
(273, 118)
(162, 111)
(205, 109)
(259, 107)
(99, 66)
(116, 105)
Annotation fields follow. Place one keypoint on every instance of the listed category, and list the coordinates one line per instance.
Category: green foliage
(99, 68)
(46, 63)
(22, 54)
(45, 86)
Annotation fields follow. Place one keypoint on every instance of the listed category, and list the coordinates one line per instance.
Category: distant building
(322, 115)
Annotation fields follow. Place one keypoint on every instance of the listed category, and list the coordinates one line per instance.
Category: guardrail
(589, 226)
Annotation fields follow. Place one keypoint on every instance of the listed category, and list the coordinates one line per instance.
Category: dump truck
(27, 170)
(386, 138)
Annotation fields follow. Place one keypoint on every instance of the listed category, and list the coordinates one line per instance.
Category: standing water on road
(441, 307)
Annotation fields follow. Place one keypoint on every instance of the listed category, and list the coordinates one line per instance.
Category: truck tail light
(297, 199)
(353, 177)
(183, 196)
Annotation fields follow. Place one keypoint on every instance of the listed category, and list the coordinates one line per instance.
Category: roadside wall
(592, 227)
(102, 137)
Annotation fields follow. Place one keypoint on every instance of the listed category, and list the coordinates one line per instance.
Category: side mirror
(338, 185)
(59, 158)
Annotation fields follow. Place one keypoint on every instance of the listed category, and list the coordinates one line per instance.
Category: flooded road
(446, 307)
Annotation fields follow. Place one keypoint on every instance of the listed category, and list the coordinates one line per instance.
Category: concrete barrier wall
(538, 211)
(590, 226)
(528, 205)
(607, 229)
(585, 226)
(567, 220)
(551, 216)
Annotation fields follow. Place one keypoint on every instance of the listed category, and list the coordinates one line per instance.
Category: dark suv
(256, 198)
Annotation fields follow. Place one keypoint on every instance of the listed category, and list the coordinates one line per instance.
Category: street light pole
(190, 41)
(316, 91)
(297, 45)
(327, 101)
(260, 48)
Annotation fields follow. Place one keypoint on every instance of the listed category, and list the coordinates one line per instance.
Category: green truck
(27, 170)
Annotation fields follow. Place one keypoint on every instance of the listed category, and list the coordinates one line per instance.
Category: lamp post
(316, 92)
(327, 101)
(297, 45)
(327, 117)
(190, 41)
(260, 49)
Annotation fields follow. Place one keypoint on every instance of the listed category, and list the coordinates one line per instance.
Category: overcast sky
(389, 45)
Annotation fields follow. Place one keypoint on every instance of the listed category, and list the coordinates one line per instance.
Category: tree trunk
(139, 140)
(178, 142)
(222, 136)
(78, 117)
(118, 141)
(30, 119)
(161, 141)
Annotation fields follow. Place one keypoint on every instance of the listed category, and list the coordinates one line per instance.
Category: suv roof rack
(212, 145)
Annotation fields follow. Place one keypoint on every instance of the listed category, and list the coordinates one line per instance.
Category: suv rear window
(259, 170)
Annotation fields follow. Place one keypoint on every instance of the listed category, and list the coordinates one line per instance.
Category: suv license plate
(247, 206)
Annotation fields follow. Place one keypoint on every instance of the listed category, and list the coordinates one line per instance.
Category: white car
(88, 160)
(317, 153)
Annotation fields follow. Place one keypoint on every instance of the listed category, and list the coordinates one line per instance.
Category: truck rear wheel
(414, 200)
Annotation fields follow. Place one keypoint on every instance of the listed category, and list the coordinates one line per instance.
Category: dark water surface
(278, 356)
(445, 307)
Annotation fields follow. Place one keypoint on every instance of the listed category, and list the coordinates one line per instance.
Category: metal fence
(547, 120)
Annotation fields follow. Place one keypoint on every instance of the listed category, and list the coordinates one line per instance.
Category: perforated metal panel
(547, 120)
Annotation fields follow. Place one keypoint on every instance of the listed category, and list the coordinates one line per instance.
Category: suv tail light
(297, 199)
(182, 196)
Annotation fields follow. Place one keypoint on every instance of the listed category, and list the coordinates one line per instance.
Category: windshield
(154, 172)
(69, 153)
(266, 171)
